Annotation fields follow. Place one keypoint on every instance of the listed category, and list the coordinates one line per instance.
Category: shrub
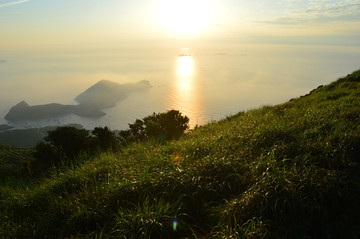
(104, 138)
(161, 126)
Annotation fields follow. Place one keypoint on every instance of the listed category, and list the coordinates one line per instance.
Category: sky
(245, 52)
(31, 23)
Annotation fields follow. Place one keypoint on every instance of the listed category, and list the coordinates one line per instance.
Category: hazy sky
(49, 22)
(245, 53)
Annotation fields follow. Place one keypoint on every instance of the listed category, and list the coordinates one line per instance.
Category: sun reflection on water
(185, 72)
(185, 95)
(185, 66)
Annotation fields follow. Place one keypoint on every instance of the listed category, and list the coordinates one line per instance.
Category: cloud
(2, 61)
(13, 3)
(319, 13)
(325, 40)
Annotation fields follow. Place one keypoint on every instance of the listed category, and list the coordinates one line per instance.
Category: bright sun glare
(185, 72)
(185, 66)
(185, 17)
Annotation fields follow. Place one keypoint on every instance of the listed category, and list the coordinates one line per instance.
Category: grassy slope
(288, 171)
(12, 160)
(24, 137)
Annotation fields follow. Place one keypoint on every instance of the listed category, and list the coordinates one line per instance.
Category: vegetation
(14, 161)
(27, 137)
(23, 137)
(64, 144)
(286, 171)
(161, 126)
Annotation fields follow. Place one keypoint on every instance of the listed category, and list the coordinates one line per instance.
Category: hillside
(12, 160)
(285, 171)
(27, 138)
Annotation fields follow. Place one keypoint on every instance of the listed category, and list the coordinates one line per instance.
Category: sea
(205, 83)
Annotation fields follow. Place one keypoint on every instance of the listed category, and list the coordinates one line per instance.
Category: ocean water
(206, 84)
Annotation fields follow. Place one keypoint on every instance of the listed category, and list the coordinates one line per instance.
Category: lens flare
(175, 223)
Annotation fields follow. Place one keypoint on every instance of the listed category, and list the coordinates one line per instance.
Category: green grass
(13, 161)
(285, 171)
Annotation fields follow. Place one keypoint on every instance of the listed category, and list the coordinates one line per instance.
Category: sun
(185, 17)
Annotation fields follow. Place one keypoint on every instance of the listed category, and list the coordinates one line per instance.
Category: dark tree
(61, 144)
(104, 138)
(163, 126)
(138, 130)
(125, 137)
(69, 140)
(153, 129)
(173, 124)
(45, 156)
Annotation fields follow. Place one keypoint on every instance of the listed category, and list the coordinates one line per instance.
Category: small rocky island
(102, 95)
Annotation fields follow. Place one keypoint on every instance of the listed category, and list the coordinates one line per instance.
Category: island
(23, 111)
(104, 94)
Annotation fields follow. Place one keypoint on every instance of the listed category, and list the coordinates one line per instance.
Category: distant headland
(105, 94)
(102, 95)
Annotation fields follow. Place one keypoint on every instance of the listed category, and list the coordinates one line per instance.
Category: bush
(161, 126)
(69, 140)
(65, 143)
(104, 139)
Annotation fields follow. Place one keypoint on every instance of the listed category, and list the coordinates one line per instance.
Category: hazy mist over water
(210, 84)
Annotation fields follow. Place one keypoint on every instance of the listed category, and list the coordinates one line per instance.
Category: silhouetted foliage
(170, 124)
(65, 143)
(125, 136)
(46, 155)
(104, 138)
(61, 144)
(69, 140)
(14, 161)
(138, 129)
(161, 126)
